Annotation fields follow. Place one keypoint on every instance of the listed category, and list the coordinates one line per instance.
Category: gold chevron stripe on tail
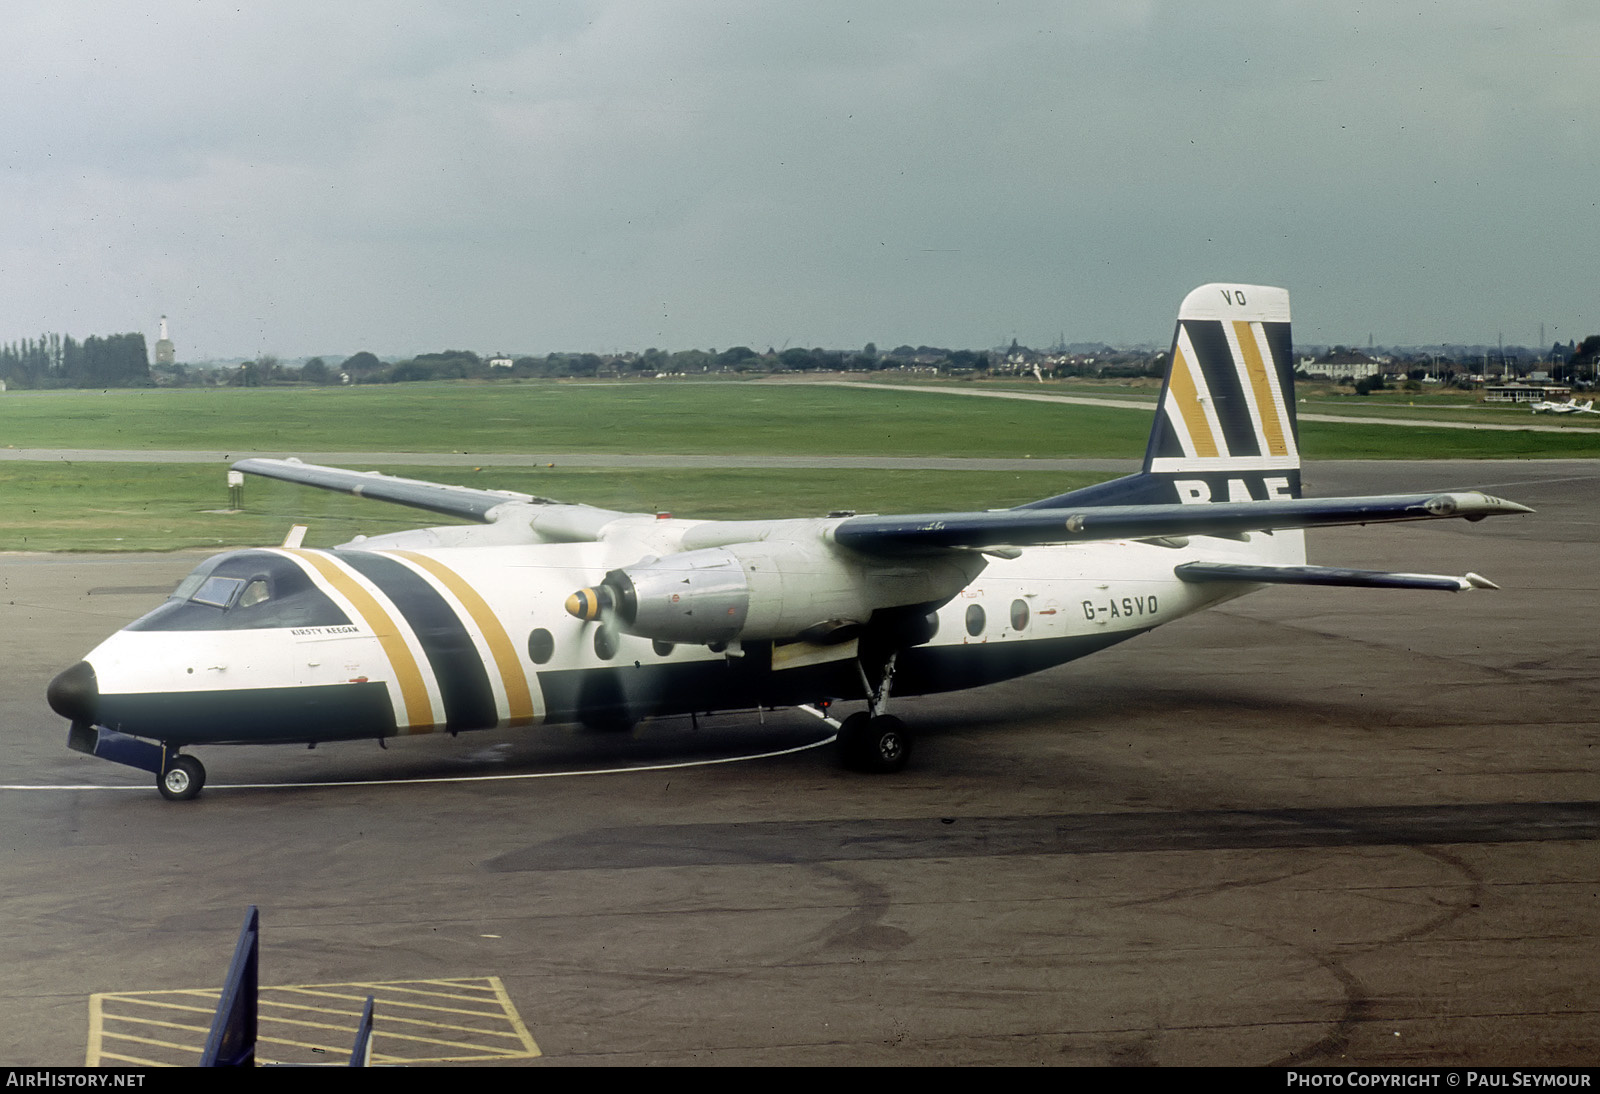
(1266, 395)
(1185, 388)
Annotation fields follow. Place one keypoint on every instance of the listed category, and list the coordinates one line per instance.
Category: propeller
(593, 604)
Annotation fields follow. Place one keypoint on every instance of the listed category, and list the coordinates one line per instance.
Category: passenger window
(541, 646)
(975, 620)
(1019, 615)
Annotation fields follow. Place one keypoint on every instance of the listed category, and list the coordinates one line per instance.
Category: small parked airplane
(547, 613)
(1571, 406)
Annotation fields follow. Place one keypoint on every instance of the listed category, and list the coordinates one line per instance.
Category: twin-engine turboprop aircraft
(548, 613)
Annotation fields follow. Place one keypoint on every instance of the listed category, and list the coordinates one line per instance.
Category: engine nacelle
(765, 590)
(700, 597)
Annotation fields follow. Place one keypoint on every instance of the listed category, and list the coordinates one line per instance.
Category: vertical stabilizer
(1225, 429)
(1227, 408)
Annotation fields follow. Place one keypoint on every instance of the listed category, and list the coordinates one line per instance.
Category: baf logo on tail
(542, 612)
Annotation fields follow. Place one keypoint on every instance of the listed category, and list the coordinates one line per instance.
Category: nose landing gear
(183, 778)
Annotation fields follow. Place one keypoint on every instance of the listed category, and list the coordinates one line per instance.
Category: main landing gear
(873, 740)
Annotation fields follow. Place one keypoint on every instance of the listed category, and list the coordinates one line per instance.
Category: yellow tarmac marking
(287, 1031)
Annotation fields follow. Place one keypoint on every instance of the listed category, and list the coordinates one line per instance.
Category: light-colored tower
(165, 353)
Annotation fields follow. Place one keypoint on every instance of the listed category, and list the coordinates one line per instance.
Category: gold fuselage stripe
(1187, 396)
(419, 711)
(1266, 402)
(518, 698)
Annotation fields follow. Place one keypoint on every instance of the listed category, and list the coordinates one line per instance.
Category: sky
(405, 176)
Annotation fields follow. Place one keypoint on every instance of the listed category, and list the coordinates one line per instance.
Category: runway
(1315, 826)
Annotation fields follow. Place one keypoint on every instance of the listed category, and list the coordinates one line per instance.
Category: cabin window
(975, 620)
(541, 646)
(1019, 615)
(663, 649)
(605, 643)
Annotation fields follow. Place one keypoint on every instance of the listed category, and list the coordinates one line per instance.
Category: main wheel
(182, 780)
(880, 745)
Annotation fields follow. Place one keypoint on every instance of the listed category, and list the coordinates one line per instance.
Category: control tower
(165, 352)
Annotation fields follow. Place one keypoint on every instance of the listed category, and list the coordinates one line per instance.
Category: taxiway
(1315, 826)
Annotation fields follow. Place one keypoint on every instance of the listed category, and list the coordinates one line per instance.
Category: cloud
(296, 178)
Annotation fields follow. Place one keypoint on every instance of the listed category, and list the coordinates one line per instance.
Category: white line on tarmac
(463, 778)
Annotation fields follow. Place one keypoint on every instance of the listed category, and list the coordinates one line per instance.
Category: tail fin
(1225, 429)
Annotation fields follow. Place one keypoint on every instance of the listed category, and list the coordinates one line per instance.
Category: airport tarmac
(1314, 826)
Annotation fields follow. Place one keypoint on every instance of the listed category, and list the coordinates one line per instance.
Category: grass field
(139, 506)
(149, 507)
(634, 417)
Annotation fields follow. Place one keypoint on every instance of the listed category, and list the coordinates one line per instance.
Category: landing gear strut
(874, 740)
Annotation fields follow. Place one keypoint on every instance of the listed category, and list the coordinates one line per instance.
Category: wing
(453, 501)
(1261, 574)
(1084, 524)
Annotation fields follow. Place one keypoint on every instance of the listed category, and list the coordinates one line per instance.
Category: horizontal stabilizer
(1026, 527)
(455, 501)
(1327, 575)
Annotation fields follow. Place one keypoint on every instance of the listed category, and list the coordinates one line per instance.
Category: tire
(182, 780)
(878, 746)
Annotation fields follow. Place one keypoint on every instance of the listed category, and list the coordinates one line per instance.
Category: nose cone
(75, 694)
(586, 604)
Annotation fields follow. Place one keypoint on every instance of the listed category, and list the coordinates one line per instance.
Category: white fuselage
(472, 637)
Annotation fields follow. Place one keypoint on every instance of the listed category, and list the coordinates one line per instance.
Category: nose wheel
(182, 779)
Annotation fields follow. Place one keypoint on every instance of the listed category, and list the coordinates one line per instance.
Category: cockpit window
(244, 590)
(218, 592)
(257, 592)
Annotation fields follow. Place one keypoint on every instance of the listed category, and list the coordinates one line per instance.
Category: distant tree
(264, 370)
(690, 360)
(118, 360)
(363, 368)
(316, 371)
(527, 368)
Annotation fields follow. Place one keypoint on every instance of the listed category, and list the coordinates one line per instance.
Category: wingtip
(1474, 505)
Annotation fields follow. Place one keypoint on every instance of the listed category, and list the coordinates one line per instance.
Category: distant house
(1346, 365)
(500, 360)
